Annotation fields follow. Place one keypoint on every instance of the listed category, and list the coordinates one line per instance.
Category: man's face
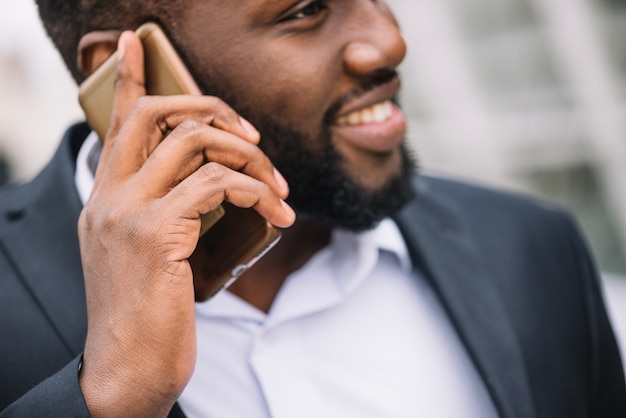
(317, 78)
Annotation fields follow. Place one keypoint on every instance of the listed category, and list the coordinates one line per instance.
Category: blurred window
(579, 188)
(611, 17)
(508, 53)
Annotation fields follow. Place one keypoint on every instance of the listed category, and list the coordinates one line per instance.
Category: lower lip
(376, 136)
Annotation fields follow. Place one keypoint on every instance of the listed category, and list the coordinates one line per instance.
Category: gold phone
(232, 238)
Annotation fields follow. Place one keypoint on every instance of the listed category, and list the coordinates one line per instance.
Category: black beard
(320, 188)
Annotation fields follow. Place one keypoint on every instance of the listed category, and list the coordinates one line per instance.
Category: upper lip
(378, 94)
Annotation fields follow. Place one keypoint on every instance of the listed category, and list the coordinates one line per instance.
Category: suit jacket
(513, 275)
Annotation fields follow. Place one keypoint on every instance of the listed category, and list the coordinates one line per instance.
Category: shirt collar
(86, 164)
(386, 236)
(324, 281)
(345, 262)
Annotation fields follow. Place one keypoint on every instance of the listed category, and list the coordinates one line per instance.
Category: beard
(321, 189)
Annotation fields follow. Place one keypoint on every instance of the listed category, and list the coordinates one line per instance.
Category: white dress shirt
(356, 332)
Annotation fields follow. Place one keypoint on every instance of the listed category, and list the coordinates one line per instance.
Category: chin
(376, 174)
(340, 198)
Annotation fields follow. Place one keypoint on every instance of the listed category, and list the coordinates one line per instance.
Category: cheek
(296, 101)
(295, 86)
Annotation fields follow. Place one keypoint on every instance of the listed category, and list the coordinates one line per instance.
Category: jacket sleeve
(607, 390)
(57, 396)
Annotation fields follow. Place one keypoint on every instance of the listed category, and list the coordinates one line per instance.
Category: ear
(94, 48)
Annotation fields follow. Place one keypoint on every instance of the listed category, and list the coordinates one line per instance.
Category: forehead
(221, 19)
(239, 6)
(231, 12)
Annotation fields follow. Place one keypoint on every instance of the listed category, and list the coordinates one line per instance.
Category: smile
(376, 113)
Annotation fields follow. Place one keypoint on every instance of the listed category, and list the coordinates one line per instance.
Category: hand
(141, 224)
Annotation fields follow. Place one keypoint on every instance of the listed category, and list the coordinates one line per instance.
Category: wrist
(111, 392)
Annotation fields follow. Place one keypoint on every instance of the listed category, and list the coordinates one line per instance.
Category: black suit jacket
(513, 275)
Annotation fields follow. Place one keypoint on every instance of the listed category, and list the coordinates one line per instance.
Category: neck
(261, 283)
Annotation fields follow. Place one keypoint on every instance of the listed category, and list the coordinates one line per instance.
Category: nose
(379, 45)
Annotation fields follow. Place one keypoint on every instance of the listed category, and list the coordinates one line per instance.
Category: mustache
(375, 80)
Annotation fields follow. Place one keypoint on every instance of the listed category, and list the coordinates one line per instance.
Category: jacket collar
(442, 245)
(39, 234)
(38, 231)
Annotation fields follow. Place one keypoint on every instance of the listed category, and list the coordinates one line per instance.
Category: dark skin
(140, 347)
(313, 59)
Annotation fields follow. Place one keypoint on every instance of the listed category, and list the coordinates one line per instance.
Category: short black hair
(66, 21)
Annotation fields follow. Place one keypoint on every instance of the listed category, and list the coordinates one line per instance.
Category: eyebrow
(265, 9)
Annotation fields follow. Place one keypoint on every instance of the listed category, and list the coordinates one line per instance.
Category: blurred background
(525, 95)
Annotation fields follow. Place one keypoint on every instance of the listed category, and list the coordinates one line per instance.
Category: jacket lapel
(40, 236)
(442, 246)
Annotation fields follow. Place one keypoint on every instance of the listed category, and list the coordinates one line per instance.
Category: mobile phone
(232, 238)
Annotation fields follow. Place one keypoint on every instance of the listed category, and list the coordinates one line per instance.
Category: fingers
(214, 183)
(144, 120)
(191, 145)
(152, 117)
(193, 151)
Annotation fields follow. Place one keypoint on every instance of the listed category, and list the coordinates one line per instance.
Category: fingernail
(248, 127)
(288, 210)
(121, 47)
(280, 180)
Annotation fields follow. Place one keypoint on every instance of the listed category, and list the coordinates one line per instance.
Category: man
(390, 295)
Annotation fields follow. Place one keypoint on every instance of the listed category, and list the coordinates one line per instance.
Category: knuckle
(259, 163)
(213, 172)
(124, 77)
(265, 190)
(85, 220)
(127, 225)
(215, 101)
(266, 164)
(189, 127)
(227, 112)
(88, 216)
(260, 192)
(221, 108)
(190, 131)
(121, 74)
(93, 219)
(143, 103)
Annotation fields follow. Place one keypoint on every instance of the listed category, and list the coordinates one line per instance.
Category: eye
(310, 10)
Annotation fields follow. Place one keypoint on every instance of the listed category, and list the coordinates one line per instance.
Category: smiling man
(391, 294)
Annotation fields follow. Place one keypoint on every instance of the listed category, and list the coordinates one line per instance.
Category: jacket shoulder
(484, 206)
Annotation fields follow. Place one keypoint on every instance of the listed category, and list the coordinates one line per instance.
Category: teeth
(377, 113)
(353, 118)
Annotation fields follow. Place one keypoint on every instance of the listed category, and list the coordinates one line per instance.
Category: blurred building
(528, 95)
(37, 95)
